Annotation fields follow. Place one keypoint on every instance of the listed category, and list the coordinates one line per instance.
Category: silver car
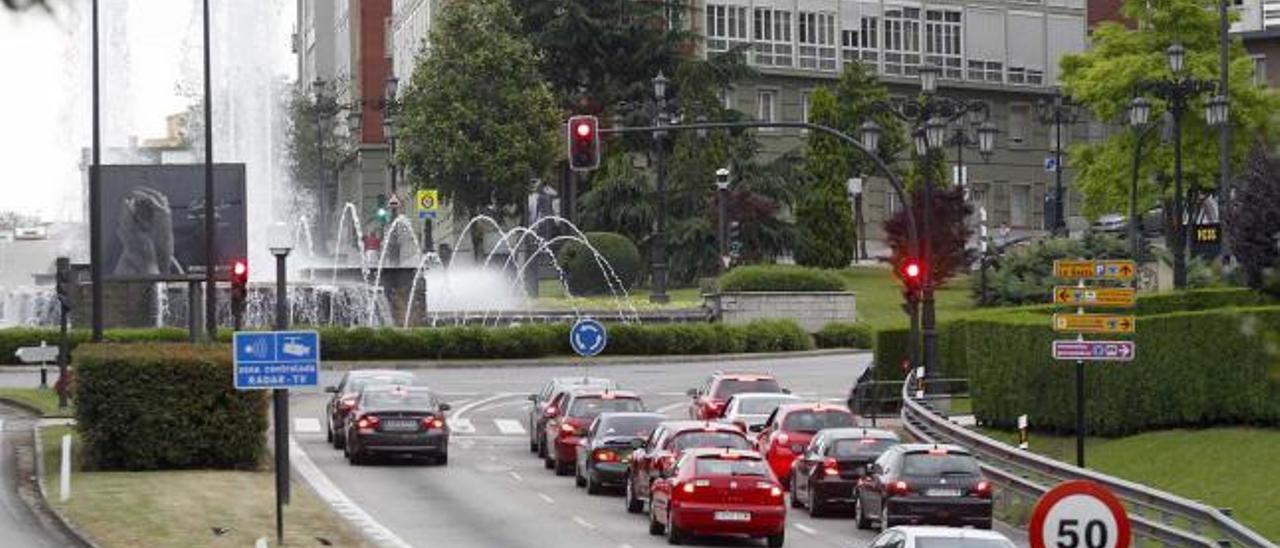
(749, 410)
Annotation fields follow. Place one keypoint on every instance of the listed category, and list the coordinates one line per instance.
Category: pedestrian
(372, 247)
(1004, 234)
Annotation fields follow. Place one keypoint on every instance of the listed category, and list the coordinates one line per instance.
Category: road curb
(562, 361)
(69, 528)
(39, 414)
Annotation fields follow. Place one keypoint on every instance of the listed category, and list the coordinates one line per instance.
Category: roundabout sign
(1079, 514)
(588, 337)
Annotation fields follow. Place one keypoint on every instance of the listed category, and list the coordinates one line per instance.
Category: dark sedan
(605, 452)
(825, 477)
(397, 420)
(344, 395)
(922, 484)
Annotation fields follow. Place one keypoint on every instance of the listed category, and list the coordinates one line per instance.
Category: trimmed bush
(11, 339)
(587, 276)
(166, 406)
(844, 335)
(1201, 299)
(780, 278)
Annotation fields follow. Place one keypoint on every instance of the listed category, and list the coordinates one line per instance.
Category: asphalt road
(19, 525)
(495, 493)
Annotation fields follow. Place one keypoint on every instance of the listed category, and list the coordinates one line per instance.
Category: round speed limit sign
(1079, 514)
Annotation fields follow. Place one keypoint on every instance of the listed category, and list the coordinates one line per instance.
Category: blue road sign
(588, 337)
(276, 359)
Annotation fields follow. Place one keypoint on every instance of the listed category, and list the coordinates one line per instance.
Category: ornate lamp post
(1059, 113)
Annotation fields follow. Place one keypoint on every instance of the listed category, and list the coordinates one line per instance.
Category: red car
(664, 446)
(709, 400)
(791, 427)
(575, 413)
(719, 492)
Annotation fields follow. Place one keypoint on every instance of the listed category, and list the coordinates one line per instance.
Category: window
(726, 98)
(1019, 202)
(986, 71)
(861, 44)
(1270, 14)
(773, 37)
(1025, 75)
(892, 204)
(817, 37)
(726, 27)
(901, 41)
(942, 42)
(1019, 117)
(766, 105)
(1260, 70)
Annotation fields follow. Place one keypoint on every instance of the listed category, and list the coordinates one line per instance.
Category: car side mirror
(756, 428)
(692, 392)
(445, 407)
(637, 444)
(786, 390)
(331, 390)
(533, 398)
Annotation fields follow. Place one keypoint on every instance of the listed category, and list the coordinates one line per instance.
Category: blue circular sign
(588, 337)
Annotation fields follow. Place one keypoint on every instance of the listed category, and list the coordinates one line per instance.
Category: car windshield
(590, 408)
(729, 387)
(358, 383)
(717, 466)
(813, 421)
(937, 464)
(869, 448)
(697, 438)
(399, 399)
(629, 426)
(951, 542)
(759, 406)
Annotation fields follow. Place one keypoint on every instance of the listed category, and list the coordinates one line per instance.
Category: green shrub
(11, 339)
(587, 276)
(780, 278)
(890, 345)
(844, 335)
(1200, 299)
(776, 336)
(164, 406)
(1024, 275)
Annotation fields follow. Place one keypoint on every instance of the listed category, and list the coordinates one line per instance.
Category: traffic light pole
(63, 274)
(928, 320)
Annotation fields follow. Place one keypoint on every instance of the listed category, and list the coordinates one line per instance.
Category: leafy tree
(949, 230)
(1254, 232)
(1024, 275)
(312, 154)
(479, 121)
(827, 234)
(620, 200)
(1105, 77)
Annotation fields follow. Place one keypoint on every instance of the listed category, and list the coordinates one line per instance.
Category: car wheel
(675, 535)
(548, 463)
(339, 440)
(815, 505)
(634, 505)
(795, 497)
(593, 487)
(884, 516)
(542, 449)
(860, 513)
(533, 444)
(442, 460)
(775, 541)
(578, 479)
(328, 433)
(562, 468)
(655, 528)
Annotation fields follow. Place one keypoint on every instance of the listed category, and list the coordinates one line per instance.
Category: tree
(950, 232)
(827, 234)
(621, 200)
(1254, 232)
(313, 153)
(1104, 79)
(479, 121)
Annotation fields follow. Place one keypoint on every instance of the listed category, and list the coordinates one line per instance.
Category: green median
(44, 400)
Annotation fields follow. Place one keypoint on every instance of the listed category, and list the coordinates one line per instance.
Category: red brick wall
(1106, 10)
(374, 64)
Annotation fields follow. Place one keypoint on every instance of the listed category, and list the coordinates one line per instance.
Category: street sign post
(276, 359)
(1119, 297)
(42, 355)
(427, 202)
(1079, 514)
(1095, 270)
(588, 337)
(1094, 323)
(1094, 351)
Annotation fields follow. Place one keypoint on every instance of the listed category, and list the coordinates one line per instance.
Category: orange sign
(1094, 296)
(1094, 323)
(1094, 270)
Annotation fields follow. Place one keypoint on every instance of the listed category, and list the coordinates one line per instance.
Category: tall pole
(280, 400)
(210, 224)
(928, 320)
(95, 193)
(1134, 246)
(1224, 131)
(1059, 211)
(394, 249)
(1080, 413)
(723, 203)
(659, 294)
(862, 226)
(1180, 229)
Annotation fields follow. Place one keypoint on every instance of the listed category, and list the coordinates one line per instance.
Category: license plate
(400, 426)
(733, 516)
(942, 492)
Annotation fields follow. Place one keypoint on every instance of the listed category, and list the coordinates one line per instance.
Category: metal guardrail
(1155, 515)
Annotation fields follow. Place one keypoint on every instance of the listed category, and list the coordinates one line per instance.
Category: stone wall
(811, 310)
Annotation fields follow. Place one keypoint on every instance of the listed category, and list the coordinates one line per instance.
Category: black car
(541, 399)
(397, 420)
(343, 398)
(825, 477)
(604, 453)
(921, 484)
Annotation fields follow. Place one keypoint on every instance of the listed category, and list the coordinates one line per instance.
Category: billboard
(151, 219)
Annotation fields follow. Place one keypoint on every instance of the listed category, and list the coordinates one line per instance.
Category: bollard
(1022, 433)
(64, 483)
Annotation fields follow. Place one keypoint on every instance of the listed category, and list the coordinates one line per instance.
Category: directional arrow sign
(1094, 323)
(1094, 351)
(1100, 296)
(1094, 270)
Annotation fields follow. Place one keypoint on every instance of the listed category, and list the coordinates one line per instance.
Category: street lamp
(854, 187)
(929, 78)
(390, 110)
(1139, 114)
(280, 242)
(1177, 56)
(722, 200)
(871, 136)
(1061, 112)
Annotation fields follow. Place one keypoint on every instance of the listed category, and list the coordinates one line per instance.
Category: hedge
(11, 339)
(845, 335)
(585, 273)
(156, 406)
(780, 278)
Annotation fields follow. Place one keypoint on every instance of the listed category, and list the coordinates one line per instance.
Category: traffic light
(383, 215)
(912, 272)
(239, 290)
(584, 143)
(63, 282)
(735, 239)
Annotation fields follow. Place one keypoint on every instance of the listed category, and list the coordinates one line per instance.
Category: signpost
(1079, 349)
(427, 202)
(1079, 514)
(42, 355)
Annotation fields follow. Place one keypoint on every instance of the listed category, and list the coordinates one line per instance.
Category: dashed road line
(306, 425)
(806, 529)
(462, 410)
(584, 523)
(509, 426)
(515, 476)
(547, 499)
(339, 502)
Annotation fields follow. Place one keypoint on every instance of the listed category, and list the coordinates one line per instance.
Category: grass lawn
(182, 507)
(1189, 463)
(880, 296)
(551, 295)
(46, 400)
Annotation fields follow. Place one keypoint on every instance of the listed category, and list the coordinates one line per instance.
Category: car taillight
(983, 489)
(775, 491)
(830, 467)
(688, 488)
(550, 412)
(899, 488)
(567, 429)
(604, 455)
(433, 423)
(368, 421)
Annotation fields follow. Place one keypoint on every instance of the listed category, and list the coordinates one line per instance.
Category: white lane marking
(509, 426)
(459, 394)
(546, 498)
(515, 476)
(500, 405)
(666, 409)
(462, 410)
(806, 529)
(339, 501)
(306, 426)
(670, 394)
(462, 426)
(584, 523)
(625, 546)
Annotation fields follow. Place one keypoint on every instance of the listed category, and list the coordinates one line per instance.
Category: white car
(749, 410)
(940, 537)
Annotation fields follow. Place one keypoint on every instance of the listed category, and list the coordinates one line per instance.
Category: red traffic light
(584, 143)
(240, 271)
(583, 130)
(912, 271)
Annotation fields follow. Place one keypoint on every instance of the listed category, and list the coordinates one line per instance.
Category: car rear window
(947, 542)
(729, 387)
(360, 382)
(716, 466)
(590, 408)
(860, 448)
(700, 438)
(937, 464)
(629, 426)
(813, 421)
(392, 399)
(760, 406)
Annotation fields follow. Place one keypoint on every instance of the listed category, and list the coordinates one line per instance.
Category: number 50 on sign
(1079, 514)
